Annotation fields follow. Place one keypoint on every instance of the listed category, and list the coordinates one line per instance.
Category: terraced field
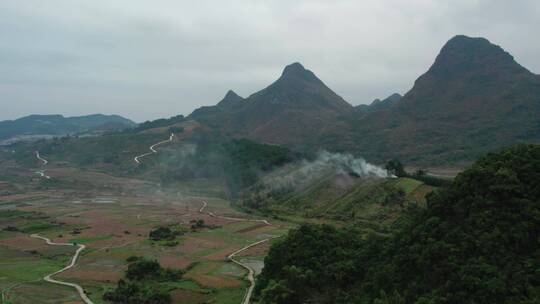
(113, 216)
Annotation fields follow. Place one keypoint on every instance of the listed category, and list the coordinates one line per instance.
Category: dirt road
(73, 262)
(152, 149)
(42, 172)
(231, 257)
(41, 158)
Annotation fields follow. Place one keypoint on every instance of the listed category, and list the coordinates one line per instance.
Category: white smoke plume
(306, 172)
(345, 163)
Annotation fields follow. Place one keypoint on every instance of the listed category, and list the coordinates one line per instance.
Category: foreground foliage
(476, 242)
(142, 283)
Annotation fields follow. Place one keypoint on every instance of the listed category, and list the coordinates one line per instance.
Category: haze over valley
(286, 189)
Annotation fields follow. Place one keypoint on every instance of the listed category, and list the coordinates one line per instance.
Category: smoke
(345, 163)
(306, 172)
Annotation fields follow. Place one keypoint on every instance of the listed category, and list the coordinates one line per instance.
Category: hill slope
(60, 125)
(477, 242)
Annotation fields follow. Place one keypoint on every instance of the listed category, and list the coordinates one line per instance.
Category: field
(113, 216)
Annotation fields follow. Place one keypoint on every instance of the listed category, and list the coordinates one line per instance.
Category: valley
(218, 242)
(112, 217)
(289, 195)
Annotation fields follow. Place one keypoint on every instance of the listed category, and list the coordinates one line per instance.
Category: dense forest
(476, 242)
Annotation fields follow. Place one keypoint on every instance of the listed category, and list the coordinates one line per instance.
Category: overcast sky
(152, 59)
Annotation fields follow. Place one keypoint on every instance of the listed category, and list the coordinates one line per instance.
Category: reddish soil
(174, 262)
(180, 296)
(23, 242)
(214, 281)
(255, 227)
(92, 275)
(259, 250)
(221, 255)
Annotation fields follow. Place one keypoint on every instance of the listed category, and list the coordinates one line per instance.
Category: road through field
(48, 278)
(152, 149)
(42, 172)
(231, 257)
(41, 158)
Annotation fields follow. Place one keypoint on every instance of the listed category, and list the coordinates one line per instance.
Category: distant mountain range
(36, 126)
(473, 99)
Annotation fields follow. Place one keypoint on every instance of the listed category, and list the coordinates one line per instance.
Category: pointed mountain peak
(232, 95)
(463, 54)
(295, 68)
(230, 98)
(297, 71)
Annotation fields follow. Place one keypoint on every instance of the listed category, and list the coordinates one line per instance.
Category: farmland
(113, 216)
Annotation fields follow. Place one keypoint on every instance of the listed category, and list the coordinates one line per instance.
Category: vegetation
(59, 125)
(238, 162)
(476, 242)
(372, 204)
(142, 283)
(158, 123)
(164, 233)
(396, 168)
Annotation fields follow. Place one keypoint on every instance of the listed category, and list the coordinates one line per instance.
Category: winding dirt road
(42, 172)
(231, 257)
(73, 262)
(41, 158)
(152, 150)
(230, 218)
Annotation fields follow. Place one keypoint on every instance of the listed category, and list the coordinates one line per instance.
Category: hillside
(476, 242)
(59, 125)
(371, 203)
(378, 104)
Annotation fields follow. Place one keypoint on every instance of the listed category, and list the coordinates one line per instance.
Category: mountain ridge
(58, 125)
(474, 98)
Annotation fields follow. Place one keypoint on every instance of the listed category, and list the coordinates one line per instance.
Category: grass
(17, 266)
(188, 285)
(33, 228)
(229, 295)
(9, 214)
(85, 240)
(43, 292)
(408, 184)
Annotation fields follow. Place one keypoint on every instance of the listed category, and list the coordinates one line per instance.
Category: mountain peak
(231, 95)
(295, 68)
(230, 98)
(297, 71)
(463, 54)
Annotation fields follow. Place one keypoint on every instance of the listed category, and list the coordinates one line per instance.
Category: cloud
(150, 59)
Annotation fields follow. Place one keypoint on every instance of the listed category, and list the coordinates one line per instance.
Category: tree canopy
(476, 242)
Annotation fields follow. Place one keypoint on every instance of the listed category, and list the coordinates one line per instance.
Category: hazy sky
(151, 59)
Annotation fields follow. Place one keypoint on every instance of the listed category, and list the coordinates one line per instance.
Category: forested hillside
(476, 242)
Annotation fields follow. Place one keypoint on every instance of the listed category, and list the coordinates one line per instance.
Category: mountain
(378, 104)
(214, 115)
(290, 111)
(474, 98)
(54, 125)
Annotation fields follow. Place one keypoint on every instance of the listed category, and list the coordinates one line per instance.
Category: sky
(152, 59)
